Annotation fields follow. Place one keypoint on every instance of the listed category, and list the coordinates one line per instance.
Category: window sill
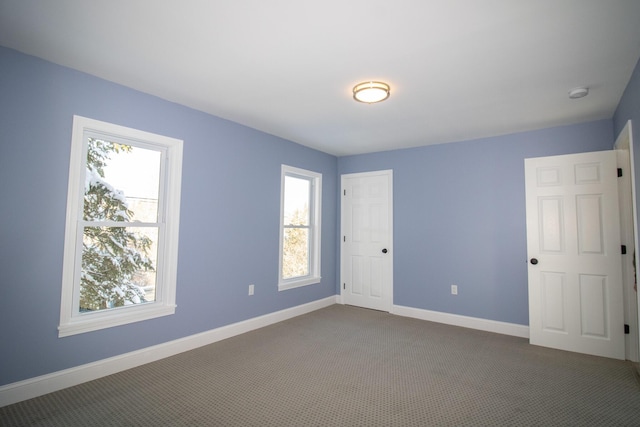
(283, 286)
(117, 317)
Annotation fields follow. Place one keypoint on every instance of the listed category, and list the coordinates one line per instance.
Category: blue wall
(629, 108)
(229, 216)
(459, 218)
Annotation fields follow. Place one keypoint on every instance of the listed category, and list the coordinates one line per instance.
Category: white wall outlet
(454, 289)
(251, 289)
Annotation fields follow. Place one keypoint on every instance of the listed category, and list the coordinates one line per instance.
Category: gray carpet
(346, 366)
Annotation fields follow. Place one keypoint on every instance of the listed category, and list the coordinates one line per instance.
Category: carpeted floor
(346, 366)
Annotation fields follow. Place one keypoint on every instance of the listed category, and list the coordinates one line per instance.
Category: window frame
(315, 222)
(72, 321)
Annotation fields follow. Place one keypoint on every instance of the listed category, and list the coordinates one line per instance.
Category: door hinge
(619, 172)
(623, 249)
(626, 329)
(344, 192)
(344, 286)
(344, 238)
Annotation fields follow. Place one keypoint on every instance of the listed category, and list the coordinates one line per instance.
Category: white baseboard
(38, 386)
(504, 328)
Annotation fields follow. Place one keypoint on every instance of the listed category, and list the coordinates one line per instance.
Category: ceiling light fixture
(578, 92)
(371, 92)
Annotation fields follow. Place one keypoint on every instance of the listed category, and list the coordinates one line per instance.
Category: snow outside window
(301, 192)
(121, 233)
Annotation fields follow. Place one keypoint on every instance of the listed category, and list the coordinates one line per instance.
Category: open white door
(573, 245)
(367, 239)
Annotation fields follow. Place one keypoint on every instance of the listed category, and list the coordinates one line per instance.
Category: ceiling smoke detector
(578, 92)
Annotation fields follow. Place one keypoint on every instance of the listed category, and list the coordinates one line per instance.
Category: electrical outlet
(251, 289)
(454, 289)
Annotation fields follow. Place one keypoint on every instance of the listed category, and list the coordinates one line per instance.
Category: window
(121, 238)
(300, 195)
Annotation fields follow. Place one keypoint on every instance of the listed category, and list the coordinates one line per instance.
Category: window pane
(296, 200)
(122, 182)
(295, 253)
(118, 267)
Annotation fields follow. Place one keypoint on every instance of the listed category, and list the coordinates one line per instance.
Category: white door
(367, 240)
(573, 245)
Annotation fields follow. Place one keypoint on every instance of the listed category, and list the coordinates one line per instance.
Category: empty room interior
(257, 184)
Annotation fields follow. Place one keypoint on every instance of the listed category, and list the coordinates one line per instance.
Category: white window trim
(71, 320)
(315, 247)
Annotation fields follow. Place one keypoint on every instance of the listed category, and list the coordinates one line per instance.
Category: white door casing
(629, 238)
(573, 246)
(367, 240)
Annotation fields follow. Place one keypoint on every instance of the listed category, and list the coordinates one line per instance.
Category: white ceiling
(458, 69)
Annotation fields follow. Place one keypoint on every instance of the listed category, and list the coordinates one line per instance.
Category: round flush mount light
(371, 92)
(578, 92)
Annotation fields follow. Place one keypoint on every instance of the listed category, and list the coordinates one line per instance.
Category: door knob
(534, 261)
(384, 251)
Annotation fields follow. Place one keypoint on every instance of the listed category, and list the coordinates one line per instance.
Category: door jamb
(624, 142)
